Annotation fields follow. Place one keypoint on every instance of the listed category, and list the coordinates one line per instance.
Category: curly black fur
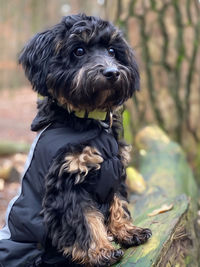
(64, 204)
(54, 69)
(70, 65)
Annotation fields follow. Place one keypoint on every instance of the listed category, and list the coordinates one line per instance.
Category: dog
(73, 201)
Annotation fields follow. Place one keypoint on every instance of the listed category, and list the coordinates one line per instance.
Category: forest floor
(17, 110)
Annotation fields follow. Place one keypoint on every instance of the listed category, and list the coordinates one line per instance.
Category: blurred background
(166, 38)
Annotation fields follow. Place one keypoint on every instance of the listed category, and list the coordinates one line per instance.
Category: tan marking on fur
(66, 104)
(85, 37)
(78, 78)
(124, 76)
(100, 245)
(58, 46)
(113, 36)
(124, 152)
(61, 100)
(50, 90)
(100, 241)
(78, 255)
(120, 223)
(82, 163)
(102, 97)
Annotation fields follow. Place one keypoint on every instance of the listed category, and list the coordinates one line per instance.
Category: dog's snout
(111, 73)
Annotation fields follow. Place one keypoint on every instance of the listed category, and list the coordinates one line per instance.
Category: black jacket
(23, 240)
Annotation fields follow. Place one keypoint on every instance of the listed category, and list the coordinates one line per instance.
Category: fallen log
(10, 148)
(170, 182)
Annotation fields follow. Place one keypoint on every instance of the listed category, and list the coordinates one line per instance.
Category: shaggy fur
(53, 67)
(84, 64)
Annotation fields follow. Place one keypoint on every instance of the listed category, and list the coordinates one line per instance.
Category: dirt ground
(17, 109)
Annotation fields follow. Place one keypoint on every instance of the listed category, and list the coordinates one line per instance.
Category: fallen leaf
(163, 209)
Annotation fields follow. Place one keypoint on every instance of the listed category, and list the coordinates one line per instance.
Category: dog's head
(82, 61)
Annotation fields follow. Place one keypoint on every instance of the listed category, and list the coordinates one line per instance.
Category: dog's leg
(80, 163)
(77, 229)
(120, 225)
(74, 224)
(100, 252)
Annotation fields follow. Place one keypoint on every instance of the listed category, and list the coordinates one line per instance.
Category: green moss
(128, 136)
(197, 164)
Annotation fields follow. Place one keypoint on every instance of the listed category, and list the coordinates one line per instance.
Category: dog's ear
(126, 57)
(132, 63)
(35, 58)
(37, 53)
(69, 21)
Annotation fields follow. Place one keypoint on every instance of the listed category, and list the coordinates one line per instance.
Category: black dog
(85, 70)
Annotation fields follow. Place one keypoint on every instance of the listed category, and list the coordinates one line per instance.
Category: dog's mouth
(95, 86)
(100, 87)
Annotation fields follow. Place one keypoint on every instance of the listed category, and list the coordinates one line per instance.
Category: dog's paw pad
(137, 237)
(108, 258)
(118, 253)
(146, 233)
(141, 236)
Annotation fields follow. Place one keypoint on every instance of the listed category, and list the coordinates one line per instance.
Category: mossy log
(169, 181)
(10, 148)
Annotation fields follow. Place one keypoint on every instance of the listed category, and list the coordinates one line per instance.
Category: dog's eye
(111, 52)
(79, 52)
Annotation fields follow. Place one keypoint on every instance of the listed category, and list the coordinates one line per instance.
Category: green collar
(105, 117)
(96, 114)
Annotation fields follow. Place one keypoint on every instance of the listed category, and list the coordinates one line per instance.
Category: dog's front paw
(136, 236)
(105, 257)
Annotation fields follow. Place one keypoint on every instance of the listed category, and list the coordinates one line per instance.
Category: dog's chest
(105, 182)
(101, 183)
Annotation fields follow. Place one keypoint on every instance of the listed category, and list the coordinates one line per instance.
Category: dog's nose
(111, 73)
